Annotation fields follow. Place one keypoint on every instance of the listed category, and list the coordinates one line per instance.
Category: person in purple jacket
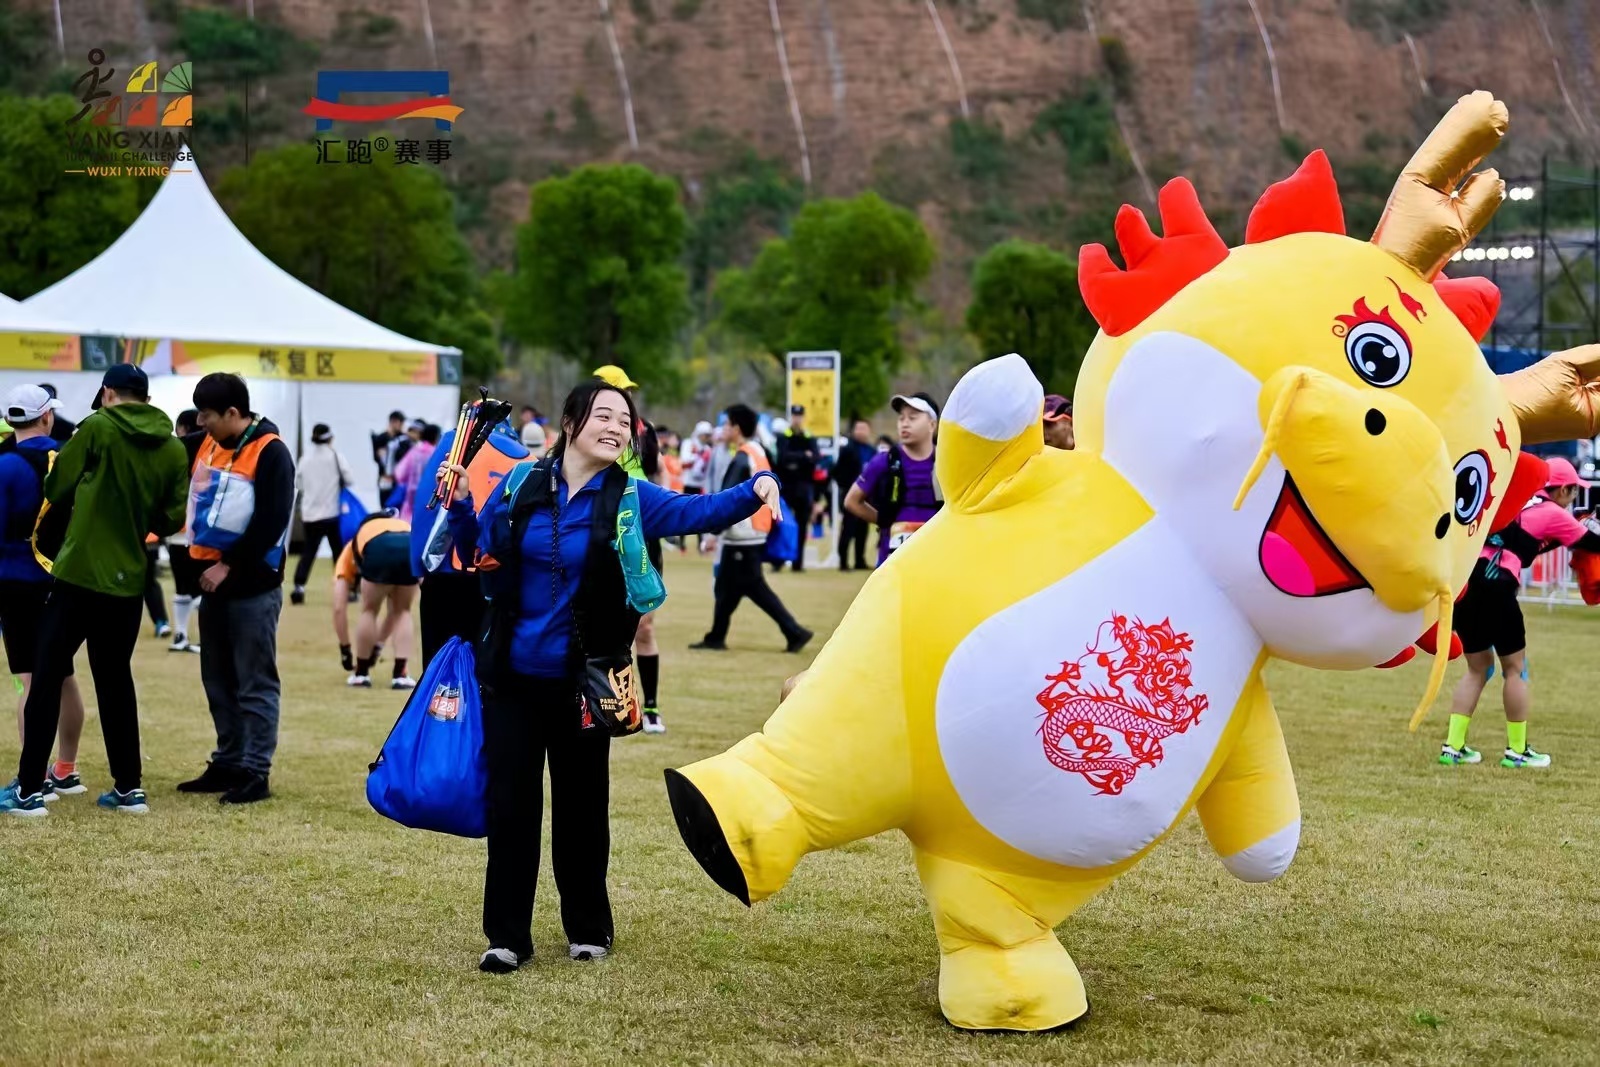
(553, 579)
(898, 491)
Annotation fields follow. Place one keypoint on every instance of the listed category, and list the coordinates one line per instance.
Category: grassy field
(1433, 916)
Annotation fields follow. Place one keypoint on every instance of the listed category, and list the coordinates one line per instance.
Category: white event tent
(183, 293)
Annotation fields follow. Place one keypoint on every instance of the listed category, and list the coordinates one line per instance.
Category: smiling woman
(561, 545)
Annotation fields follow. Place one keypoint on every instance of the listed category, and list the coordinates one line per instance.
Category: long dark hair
(580, 404)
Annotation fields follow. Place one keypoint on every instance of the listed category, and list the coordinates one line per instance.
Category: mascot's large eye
(1472, 487)
(1378, 352)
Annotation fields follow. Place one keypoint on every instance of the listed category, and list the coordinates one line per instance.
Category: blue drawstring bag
(431, 773)
(783, 542)
(351, 512)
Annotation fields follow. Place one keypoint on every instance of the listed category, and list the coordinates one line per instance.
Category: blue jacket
(502, 440)
(544, 614)
(20, 494)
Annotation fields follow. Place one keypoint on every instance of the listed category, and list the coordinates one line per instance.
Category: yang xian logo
(141, 130)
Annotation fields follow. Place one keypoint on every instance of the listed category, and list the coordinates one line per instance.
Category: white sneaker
(358, 681)
(585, 953)
(653, 723)
(403, 683)
(180, 642)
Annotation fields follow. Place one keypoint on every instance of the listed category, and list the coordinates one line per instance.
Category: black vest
(603, 623)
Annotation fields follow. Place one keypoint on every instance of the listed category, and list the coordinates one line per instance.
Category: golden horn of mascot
(1063, 663)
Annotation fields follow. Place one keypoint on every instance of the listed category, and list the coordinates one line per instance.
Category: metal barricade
(1550, 580)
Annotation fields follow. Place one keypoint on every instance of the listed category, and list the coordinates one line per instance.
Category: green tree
(51, 223)
(598, 276)
(749, 195)
(839, 281)
(380, 239)
(1025, 300)
(27, 48)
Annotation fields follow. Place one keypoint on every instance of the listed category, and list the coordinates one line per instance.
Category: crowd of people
(519, 558)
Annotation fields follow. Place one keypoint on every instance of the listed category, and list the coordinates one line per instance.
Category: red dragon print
(1137, 685)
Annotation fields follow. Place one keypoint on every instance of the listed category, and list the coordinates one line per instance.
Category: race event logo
(1107, 712)
(446, 703)
(433, 103)
(138, 132)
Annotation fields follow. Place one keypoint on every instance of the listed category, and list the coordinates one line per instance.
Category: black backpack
(46, 529)
(889, 495)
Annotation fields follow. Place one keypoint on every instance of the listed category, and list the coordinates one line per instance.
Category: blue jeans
(239, 669)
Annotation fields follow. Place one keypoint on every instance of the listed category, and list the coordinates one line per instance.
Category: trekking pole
(446, 489)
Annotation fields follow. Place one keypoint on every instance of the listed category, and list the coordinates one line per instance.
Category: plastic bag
(783, 540)
(431, 773)
(351, 512)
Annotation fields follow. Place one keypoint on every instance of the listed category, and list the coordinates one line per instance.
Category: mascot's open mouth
(1297, 556)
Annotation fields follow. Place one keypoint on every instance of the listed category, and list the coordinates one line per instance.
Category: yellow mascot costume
(1292, 448)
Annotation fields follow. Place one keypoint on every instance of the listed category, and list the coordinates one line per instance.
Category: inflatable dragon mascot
(1293, 448)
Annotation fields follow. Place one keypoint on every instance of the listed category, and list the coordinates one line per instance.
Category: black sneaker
(502, 961)
(297, 595)
(66, 785)
(250, 790)
(799, 641)
(216, 778)
(706, 644)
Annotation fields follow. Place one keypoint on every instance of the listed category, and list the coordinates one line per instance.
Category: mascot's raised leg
(831, 766)
(1001, 966)
(1250, 811)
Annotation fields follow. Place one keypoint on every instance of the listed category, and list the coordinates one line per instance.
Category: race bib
(900, 532)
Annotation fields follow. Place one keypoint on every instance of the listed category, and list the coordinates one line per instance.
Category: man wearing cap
(797, 468)
(1058, 422)
(124, 476)
(898, 491)
(321, 479)
(24, 584)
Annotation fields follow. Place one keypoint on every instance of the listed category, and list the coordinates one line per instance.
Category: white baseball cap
(27, 402)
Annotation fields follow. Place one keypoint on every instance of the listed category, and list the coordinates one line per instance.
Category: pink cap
(1562, 473)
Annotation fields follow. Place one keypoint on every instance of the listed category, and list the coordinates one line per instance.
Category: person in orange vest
(743, 545)
(241, 497)
(380, 556)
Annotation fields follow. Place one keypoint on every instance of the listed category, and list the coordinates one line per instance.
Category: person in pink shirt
(408, 473)
(1488, 618)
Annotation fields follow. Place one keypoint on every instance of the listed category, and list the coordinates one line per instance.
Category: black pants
(110, 625)
(312, 535)
(852, 539)
(739, 575)
(531, 717)
(452, 606)
(153, 598)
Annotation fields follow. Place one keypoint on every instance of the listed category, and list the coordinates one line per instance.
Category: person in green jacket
(123, 476)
